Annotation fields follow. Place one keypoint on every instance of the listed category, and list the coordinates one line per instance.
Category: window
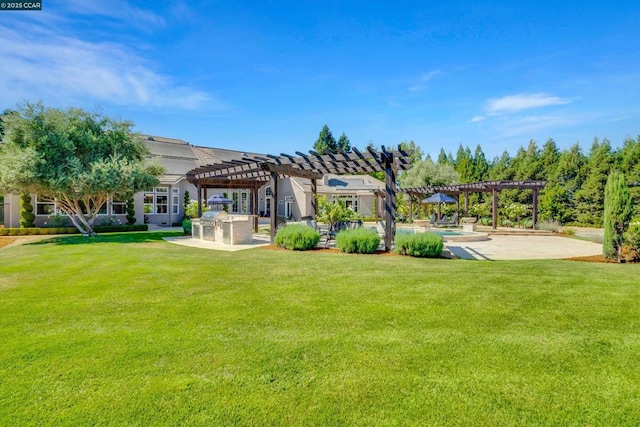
(148, 203)
(156, 201)
(350, 201)
(244, 206)
(268, 192)
(175, 200)
(234, 197)
(161, 204)
(45, 206)
(118, 207)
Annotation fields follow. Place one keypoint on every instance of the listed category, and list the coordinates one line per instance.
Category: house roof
(332, 183)
(179, 157)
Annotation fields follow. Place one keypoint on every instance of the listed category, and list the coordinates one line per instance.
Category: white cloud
(476, 119)
(531, 125)
(423, 80)
(117, 9)
(520, 102)
(40, 64)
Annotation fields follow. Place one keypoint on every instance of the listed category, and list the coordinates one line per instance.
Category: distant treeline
(576, 179)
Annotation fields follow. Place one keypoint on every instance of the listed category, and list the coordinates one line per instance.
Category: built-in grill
(219, 226)
(208, 223)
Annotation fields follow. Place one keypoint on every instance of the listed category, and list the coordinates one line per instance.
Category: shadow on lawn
(130, 237)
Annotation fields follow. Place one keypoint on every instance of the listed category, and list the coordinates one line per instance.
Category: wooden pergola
(253, 171)
(493, 187)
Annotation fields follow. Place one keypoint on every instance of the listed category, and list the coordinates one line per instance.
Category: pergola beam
(253, 171)
(493, 187)
(290, 171)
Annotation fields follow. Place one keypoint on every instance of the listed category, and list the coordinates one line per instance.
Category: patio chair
(446, 222)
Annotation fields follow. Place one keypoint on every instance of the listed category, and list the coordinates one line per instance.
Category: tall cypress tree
(618, 209)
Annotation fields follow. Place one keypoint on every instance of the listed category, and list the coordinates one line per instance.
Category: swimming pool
(447, 234)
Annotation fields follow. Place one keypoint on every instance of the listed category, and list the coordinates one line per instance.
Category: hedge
(297, 237)
(71, 230)
(358, 240)
(426, 245)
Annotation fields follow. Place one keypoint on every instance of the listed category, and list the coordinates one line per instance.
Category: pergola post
(410, 207)
(458, 208)
(254, 207)
(494, 208)
(199, 201)
(274, 208)
(314, 202)
(390, 200)
(535, 208)
(466, 203)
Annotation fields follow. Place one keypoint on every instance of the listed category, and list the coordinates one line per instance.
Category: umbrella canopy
(218, 199)
(439, 198)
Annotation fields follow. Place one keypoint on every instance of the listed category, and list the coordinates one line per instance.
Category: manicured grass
(130, 330)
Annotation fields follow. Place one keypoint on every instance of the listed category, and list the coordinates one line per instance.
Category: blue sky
(265, 76)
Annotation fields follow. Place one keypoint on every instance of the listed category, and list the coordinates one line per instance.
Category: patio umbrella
(439, 198)
(215, 201)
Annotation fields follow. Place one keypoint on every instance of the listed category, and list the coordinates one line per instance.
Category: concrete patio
(497, 248)
(524, 247)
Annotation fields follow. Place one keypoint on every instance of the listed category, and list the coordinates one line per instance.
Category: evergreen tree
(325, 143)
(548, 160)
(630, 165)
(131, 211)
(442, 157)
(343, 143)
(481, 165)
(464, 165)
(528, 164)
(26, 211)
(500, 167)
(553, 196)
(590, 198)
(618, 209)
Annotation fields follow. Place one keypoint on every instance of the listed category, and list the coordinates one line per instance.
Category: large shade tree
(77, 158)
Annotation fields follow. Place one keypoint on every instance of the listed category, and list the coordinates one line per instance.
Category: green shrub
(549, 225)
(528, 223)
(426, 245)
(186, 226)
(297, 237)
(569, 231)
(507, 223)
(486, 221)
(632, 238)
(358, 240)
(131, 212)
(26, 212)
(70, 230)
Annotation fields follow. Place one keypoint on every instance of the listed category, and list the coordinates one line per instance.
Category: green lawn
(131, 330)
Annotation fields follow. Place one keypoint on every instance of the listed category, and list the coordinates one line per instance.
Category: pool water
(447, 234)
(441, 232)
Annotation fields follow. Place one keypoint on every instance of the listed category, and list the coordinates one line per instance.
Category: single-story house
(163, 205)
